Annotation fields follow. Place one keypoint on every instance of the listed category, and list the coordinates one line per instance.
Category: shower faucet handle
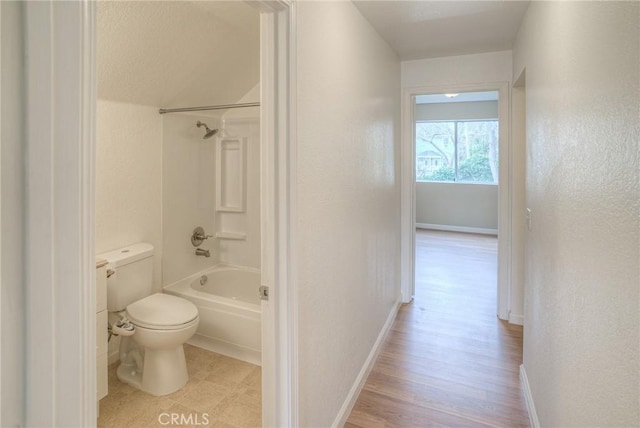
(198, 236)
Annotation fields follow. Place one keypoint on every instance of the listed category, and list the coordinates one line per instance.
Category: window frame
(455, 149)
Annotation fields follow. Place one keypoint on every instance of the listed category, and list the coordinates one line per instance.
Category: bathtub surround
(188, 193)
(237, 231)
(581, 337)
(348, 222)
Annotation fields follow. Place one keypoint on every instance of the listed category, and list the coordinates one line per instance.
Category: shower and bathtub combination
(213, 185)
(229, 307)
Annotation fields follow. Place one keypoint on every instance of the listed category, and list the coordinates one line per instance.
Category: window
(457, 151)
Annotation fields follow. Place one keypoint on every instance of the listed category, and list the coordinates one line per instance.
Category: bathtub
(229, 307)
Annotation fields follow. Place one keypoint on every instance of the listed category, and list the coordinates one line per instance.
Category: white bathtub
(229, 307)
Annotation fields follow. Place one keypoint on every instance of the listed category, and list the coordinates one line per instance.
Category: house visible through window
(457, 151)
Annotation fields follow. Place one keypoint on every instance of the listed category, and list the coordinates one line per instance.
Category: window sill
(457, 182)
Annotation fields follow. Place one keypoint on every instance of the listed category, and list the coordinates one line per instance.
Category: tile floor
(222, 391)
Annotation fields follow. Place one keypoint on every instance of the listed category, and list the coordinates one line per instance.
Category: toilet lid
(162, 311)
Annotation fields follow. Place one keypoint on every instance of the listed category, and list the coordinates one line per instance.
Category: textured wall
(581, 339)
(13, 213)
(129, 178)
(348, 200)
(466, 205)
(458, 70)
(177, 53)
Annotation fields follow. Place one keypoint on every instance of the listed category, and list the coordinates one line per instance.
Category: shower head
(209, 132)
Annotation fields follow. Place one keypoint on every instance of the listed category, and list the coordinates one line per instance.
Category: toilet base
(164, 372)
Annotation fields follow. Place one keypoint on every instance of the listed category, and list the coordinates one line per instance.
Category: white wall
(128, 183)
(461, 205)
(581, 341)
(129, 178)
(12, 214)
(456, 111)
(457, 70)
(245, 112)
(348, 200)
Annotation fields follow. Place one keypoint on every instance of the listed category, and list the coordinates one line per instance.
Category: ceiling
(177, 53)
(431, 29)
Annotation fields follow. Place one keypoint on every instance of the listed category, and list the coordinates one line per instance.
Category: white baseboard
(352, 397)
(464, 229)
(516, 319)
(531, 408)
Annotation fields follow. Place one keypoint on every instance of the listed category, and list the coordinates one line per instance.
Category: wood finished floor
(448, 360)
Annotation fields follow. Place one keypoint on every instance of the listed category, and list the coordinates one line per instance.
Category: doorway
(66, 71)
(410, 102)
(457, 183)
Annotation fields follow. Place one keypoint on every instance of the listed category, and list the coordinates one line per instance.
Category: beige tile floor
(222, 391)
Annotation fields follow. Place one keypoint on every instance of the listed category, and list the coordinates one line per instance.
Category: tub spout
(202, 252)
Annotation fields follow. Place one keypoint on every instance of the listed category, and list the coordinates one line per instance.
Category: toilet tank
(133, 275)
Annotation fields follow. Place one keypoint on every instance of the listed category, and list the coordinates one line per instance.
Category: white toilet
(153, 327)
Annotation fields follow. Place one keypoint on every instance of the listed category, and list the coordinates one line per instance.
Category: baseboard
(531, 408)
(352, 397)
(516, 319)
(464, 229)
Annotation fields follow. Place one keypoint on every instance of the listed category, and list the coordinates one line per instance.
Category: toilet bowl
(156, 325)
(163, 323)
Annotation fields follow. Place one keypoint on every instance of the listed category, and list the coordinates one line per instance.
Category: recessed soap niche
(231, 186)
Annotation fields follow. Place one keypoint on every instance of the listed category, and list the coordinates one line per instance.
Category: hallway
(448, 360)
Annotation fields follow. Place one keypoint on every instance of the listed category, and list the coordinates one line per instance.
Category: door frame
(277, 215)
(408, 183)
(60, 370)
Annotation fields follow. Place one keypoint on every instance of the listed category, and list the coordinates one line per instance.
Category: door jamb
(60, 271)
(278, 190)
(408, 202)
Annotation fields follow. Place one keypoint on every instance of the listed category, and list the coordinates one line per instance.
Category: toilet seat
(162, 312)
